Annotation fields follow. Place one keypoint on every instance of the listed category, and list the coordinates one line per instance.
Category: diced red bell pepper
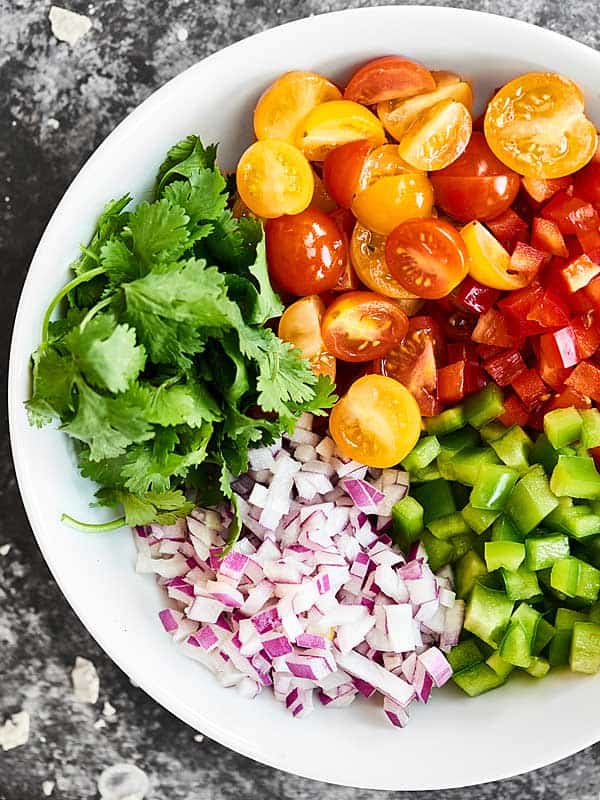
(485, 351)
(587, 183)
(475, 297)
(518, 305)
(595, 454)
(550, 311)
(505, 367)
(461, 351)
(549, 362)
(514, 413)
(587, 334)
(580, 302)
(585, 379)
(568, 398)
(564, 342)
(531, 388)
(571, 214)
(526, 260)
(579, 272)
(589, 240)
(546, 236)
(509, 229)
(496, 329)
(458, 380)
(592, 290)
(541, 189)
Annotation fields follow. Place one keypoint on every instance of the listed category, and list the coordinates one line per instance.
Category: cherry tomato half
(300, 325)
(437, 136)
(388, 78)
(274, 178)
(362, 326)
(477, 185)
(414, 362)
(427, 257)
(306, 252)
(398, 115)
(342, 169)
(334, 123)
(536, 126)
(392, 199)
(377, 422)
(489, 262)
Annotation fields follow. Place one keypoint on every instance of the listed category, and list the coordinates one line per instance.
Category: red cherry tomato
(342, 169)
(362, 326)
(388, 78)
(427, 257)
(477, 185)
(306, 252)
(414, 362)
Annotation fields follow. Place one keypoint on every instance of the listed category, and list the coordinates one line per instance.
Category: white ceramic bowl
(452, 742)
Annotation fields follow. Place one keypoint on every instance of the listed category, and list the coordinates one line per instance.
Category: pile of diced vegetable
(520, 521)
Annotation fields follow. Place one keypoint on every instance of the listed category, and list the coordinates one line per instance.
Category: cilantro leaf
(268, 304)
(53, 379)
(158, 232)
(324, 397)
(162, 508)
(110, 223)
(201, 196)
(119, 262)
(189, 403)
(182, 159)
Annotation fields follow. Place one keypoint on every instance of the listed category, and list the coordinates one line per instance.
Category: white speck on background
(48, 788)
(198, 738)
(68, 26)
(99, 724)
(5, 549)
(182, 34)
(53, 123)
(109, 710)
(91, 9)
(15, 731)
(86, 682)
(123, 782)
(6, 200)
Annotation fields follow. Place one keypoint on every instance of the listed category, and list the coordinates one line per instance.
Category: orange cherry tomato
(398, 115)
(334, 123)
(414, 362)
(388, 78)
(342, 169)
(536, 126)
(282, 108)
(377, 422)
(437, 136)
(300, 324)
(321, 198)
(306, 252)
(392, 199)
(427, 257)
(477, 185)
(367, 254)
(362, 326)
(489, 262)
(274, 178)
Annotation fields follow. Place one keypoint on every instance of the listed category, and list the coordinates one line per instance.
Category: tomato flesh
(300, 324)
(438, 136)
(363, 326)
(388, 78)
(306, 252)
(342, 169)
(377, 422)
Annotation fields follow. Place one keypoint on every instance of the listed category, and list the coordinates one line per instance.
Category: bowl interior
(453, 741)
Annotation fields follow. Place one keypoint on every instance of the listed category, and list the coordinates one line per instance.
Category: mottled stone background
(56, 104)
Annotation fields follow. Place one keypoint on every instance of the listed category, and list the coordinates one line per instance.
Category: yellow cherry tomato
(377, 422)
(536, 126)
(398, 115)
(390, 200)
(367, 254)
(489, 263)
(300, 325)
(274, 178)
(283, 106)
(438, 136)
(334, 123)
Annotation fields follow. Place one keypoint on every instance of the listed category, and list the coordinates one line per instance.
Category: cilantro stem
(90, 527)
(83, 278)
(94, 310)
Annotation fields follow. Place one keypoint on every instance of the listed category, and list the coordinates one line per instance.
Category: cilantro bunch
(162, 368)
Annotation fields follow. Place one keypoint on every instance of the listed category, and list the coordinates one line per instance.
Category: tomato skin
(332, 124)
(377, 422)
(362, 326)
(300, 324)
(392, 199)
(306, 252)
(388, 78)
(427, 257)
(342, 169)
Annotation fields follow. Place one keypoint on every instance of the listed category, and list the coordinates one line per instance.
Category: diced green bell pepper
(578, 521)
(467, 571)
(479, 519)
(429, 473)
(543, 551)
(594, 613)
(464, 655)
(501, 667)
(461, 494)
(575, 476)
(543, 453)
(562, 426)
(439, 552)
(513, 448)
(407, 522)
(521, 584)
(531, 500)
(590, 428)
(488, 613)
(504, 530)
(509, 555)
(543, 636)
(492, 431)
(449, 526)
(560, 646)
(477, 679)
(493, 486)
(423, 453)
(436, 498)
(538, 667)
(453, 443)
(447, 422)
(464, 466)
(585, 648)
(517, 643)
(574, 578)
(484, 406)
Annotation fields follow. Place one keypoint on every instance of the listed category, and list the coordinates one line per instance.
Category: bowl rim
(129, 666)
